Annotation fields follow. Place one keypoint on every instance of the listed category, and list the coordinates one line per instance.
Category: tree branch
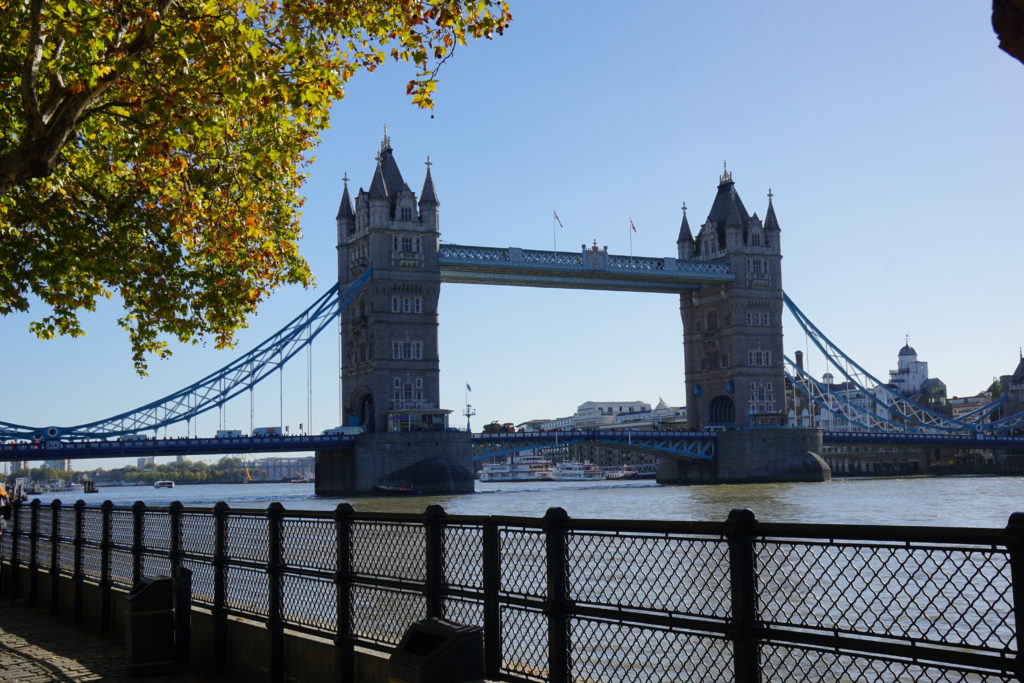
(30, 70)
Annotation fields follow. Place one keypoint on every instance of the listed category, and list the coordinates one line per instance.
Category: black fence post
(220, 615)
(174, 552)
(558, 622)
(275, 572)
(739, 534)
(138, 540)
(433, 589)
(78, 575)
(33, 552)
(1015, 545)
(492, 608)
(345, 652)
(105, 509)
(55, 557)
(182, 588)
(15, 542)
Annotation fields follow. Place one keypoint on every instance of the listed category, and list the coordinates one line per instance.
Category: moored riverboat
(577, 471)
(526, 466)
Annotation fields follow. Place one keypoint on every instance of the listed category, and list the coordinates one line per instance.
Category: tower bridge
(391, 265)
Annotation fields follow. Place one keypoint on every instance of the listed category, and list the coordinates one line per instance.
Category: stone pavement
(35, 647)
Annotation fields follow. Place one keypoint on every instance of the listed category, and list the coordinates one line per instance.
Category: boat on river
(625, 473)
(577, 471)
(163, 484)
(526, 466)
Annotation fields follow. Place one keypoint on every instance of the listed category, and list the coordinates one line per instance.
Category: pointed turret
(684, 242)
(428, 195)
(429, 203)
(345, 209)
(378, 186)
(770, 221)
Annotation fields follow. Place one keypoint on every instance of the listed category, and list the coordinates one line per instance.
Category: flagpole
(630, 239)
(554, 233)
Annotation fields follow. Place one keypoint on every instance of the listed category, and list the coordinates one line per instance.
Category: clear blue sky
(890, 134)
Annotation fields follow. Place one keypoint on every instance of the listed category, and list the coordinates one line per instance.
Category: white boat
(625, 473)
(577, 471)
(164, 484)
(523, 467)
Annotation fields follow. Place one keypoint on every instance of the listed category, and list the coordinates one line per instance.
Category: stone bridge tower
(732, 333)
(389, 331)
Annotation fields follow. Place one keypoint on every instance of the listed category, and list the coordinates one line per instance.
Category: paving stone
(38, 648)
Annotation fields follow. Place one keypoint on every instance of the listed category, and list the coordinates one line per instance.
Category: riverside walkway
(35, 647)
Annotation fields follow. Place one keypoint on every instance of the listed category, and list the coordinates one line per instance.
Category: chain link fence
(565, 600)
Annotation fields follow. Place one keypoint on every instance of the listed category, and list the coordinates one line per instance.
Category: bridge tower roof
(345, 208)
(770, 221)
(728, 209)
(428, 194)
(685, 235)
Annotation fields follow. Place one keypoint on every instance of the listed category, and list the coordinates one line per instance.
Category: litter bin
(149, 626)
(439, 651)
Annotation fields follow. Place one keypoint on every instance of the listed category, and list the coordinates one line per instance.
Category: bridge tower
(732, 333)
(389, 332)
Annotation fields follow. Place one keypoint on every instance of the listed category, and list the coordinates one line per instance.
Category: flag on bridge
(631, 225)
(468, 388)
(558, 219)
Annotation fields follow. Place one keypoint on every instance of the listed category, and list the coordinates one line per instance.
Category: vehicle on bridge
(497, 428)
(266, 431)
(346, 430)
(229, 433)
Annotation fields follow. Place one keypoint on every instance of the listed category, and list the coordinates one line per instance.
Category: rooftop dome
(908, 350)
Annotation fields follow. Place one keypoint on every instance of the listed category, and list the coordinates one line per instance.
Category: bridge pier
(432, 463)
(749, 456)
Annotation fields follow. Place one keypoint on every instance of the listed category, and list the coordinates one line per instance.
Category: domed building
(910, 374)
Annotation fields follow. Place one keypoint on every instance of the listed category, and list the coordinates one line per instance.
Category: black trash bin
(439, 651)
(149, 627)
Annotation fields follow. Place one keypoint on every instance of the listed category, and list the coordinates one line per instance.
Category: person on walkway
(5, 508)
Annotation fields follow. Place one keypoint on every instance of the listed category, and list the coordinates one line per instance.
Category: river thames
(974, 501)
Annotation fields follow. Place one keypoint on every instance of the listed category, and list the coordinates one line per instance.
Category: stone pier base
(752, 456)
(433, 463)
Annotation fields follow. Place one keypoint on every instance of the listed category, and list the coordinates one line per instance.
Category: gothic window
(407, 350)
(406, 304)
(755, 239)
(725, 360)
(714, 360)
(762, 398)
(711, 320)
(406, 244)
(361, 309)
(759, 358)
(757, 318)
(406, 213)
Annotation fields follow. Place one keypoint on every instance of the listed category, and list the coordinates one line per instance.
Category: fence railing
(563, 600)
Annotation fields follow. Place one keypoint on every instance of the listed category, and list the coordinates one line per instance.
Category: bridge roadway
(695, 445)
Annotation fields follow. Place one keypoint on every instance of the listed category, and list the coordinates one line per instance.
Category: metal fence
(561, 599)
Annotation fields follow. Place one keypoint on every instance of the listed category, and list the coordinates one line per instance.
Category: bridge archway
(721, 410)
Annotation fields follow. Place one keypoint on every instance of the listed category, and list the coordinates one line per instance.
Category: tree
(153, 148)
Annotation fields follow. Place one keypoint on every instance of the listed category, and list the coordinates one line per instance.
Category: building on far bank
(285, 468)
(63, 464)
(910, 373)
(146, 462)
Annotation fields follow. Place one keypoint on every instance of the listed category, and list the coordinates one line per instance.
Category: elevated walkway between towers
(586, 269)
